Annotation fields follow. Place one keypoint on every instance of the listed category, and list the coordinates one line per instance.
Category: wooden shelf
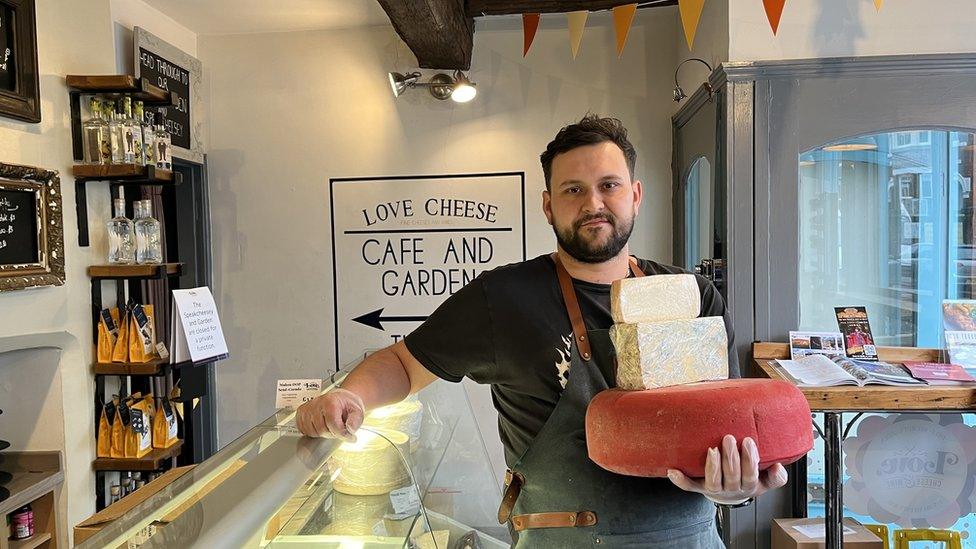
(871, 397)
(34, 475)
(36, 540)
(151, 368)
(150, 462)
(120, 272)
(134, 174)
(137, 88)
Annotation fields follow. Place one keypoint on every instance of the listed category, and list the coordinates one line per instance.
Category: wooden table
(833, 402)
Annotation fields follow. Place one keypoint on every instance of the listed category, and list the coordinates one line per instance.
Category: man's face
(592, 202)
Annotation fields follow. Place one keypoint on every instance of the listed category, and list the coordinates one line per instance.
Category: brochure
(858, 341)
(935, 373)
(815, 343)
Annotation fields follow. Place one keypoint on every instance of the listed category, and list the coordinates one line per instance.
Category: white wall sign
(914, 470)
(402, 245)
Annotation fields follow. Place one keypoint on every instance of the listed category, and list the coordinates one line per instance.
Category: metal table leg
(833, 485)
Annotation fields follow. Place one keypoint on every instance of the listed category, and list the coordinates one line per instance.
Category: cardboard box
(93, 524)
(784, 536)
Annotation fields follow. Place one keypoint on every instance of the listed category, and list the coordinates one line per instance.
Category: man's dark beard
(581, 250)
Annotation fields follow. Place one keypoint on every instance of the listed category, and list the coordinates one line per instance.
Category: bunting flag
(690, 11)
(774, 10)
(577, 21)
(877, 4)
(623, 17)
(530, 24)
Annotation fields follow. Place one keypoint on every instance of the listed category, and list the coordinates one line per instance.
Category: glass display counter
(418, 476)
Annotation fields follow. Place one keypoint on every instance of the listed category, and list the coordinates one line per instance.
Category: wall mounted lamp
(679, 93)
(441, 86)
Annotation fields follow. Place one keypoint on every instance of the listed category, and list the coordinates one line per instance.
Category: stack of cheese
(659, 338)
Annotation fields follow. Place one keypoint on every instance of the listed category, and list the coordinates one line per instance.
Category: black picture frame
(19, 99)
(48, 267)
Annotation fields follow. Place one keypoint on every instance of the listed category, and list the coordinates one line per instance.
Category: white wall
(291, 110)
(127, 14)
(74, 37)
(833, 28)
(64, 47)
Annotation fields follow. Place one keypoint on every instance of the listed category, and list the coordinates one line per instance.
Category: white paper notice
(817, 530)
(405, 500)
(292, 393)
(198, 333)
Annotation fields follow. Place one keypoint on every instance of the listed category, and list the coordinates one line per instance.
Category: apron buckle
(513, 487)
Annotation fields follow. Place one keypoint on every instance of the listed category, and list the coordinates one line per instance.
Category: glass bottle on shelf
(163, 144)
(116, 130)
(126, 486)
(116, 493)
(149, 249)
(133, 132)
(148, 136)
(96, 141)
(121, 236)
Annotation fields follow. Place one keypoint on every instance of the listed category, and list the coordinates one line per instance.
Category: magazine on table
(853, 323)
(935, 373)
(962, 349)
(824, 371)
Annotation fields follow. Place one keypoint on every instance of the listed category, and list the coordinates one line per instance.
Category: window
(888, 221)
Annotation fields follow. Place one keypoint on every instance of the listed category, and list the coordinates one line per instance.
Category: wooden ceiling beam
(477, 8)
(438, 32)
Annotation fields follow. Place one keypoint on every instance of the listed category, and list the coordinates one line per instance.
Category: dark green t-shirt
(509, 328)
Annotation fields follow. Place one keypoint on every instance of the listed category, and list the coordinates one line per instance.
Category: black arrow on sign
(374, 320)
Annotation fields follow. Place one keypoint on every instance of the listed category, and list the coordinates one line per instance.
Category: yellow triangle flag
(877, 4)
(577, 21)
(623, 17)
(691, 11)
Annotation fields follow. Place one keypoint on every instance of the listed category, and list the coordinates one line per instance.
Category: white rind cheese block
(661, 354)
(655, 298)
(371, 465)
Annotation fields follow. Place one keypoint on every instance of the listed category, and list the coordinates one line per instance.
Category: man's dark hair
(591, 130)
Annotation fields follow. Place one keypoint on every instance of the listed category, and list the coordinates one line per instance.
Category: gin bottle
(149, 249)
(116, 130)
(148, 136)
(163, 144)
(96, 141)
(133, 133)
(121, 237)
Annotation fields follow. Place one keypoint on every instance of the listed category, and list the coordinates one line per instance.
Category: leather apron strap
(515, 480)
(573, 308)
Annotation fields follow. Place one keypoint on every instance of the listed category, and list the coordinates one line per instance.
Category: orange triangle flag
(774, 10)
(577, 21)
(530, 24)
(877, 4)
(623, 17)
(691, 11)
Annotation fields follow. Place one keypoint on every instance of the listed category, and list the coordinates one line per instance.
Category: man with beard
(536, 332)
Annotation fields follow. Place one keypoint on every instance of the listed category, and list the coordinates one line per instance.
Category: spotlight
(464, 90)
(400, 82)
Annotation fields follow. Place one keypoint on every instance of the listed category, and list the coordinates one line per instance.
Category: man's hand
(336, 414)
(732, 477)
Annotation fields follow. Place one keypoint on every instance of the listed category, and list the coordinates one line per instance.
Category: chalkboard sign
(18, 227)
(169, 76)
(31, 228)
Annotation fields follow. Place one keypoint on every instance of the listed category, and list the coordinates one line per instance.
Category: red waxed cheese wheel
(645, 433)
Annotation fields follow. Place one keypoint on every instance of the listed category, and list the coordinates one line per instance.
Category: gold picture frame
(42, 189)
